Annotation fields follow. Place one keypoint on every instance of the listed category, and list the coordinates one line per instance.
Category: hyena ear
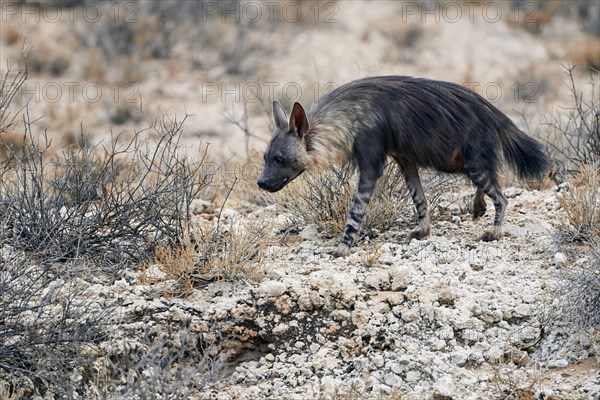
(298, 120)
(279, 115)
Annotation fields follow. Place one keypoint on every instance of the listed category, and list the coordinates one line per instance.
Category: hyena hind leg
(411, 175)
(479, 206)
(487, 183)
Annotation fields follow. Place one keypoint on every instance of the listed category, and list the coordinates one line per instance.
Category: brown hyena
(417, 122)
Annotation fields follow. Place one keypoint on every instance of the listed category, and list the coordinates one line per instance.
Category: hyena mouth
(273, 188)
(283, 184)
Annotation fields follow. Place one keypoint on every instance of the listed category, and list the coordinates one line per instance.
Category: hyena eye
(278, 160)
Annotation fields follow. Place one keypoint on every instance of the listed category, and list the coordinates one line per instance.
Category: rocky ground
(444, 318)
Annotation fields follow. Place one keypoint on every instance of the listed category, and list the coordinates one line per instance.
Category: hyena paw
(341, 251)
(419, 234)
(491, 235)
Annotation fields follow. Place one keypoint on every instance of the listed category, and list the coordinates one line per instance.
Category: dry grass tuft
(219, 253)
(325, 198)
(357, 390)
(178, 264)
(516, 383)
(371, 258)
(235, 252)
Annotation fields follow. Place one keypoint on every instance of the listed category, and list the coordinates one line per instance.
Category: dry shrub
(582, 292)
(581, 289)
(11, 81)
(48, 316)
(165, 360)
(580, 297)
(110, 202)
(325, 198)
(573, 137)
(581, 204)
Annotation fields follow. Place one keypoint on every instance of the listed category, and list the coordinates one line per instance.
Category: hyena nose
(262, 183)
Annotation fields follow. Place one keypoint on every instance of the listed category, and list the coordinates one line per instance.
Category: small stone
(378, 361)
(381, 308)
(512, 192)
(340, 315)
(121, 284)
(360, 317)
(392, 379)
(476, 267)
(446, 332)
(438, 344)
(443, 388)
(446, 297)
(560, 259)
(460, 357)
(400, 278)
(395, 299)
(560, 363)
(280, 329)
(272, 288)
(522, 311)
(310, 232)
(563, 186)
(330, 385)
(528, 298)
(409, 315)
(379, 280)
(471, 335)
(413, 376)
(305, 303)
(396, 368)
(517, 357)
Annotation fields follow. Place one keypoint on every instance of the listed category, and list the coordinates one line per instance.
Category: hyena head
(286, 156)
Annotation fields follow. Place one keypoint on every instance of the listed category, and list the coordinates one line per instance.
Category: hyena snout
(263, 184)
(270, 184)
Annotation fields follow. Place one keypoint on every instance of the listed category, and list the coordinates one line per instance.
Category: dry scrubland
(138, 259)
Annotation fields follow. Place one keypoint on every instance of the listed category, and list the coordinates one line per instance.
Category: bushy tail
(524, 154)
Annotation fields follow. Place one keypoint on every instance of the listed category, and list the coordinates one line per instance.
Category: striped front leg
(366, 185)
